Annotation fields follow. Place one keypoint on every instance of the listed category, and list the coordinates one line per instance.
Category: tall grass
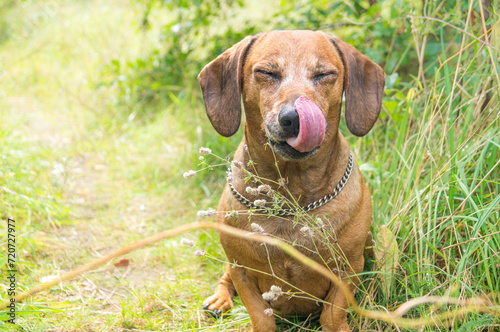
(435, 180)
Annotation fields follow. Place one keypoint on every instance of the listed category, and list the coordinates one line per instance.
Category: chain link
(289, 212)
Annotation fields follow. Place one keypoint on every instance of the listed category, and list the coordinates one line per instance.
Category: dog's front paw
(218, 303)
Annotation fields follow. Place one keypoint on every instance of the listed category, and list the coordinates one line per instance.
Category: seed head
(276, 290)
(320, 222)
(259, 202)
(187, 242)
(199, 253)
(268, 312)
(257, 228)
(252, 191)
(211, 212)
(273, 294)
(264, 189)
(306, 231)
(189, 174)
(205, 151)
(237, 164)
(268, 296)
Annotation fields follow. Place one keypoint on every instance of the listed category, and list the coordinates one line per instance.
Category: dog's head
(292, 84)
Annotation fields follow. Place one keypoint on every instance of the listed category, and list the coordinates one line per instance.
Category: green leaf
(387, 256)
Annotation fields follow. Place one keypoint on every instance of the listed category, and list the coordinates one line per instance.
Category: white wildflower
(205, 151)
(268, 296)
(252, 191)
(257, 228)
(268, 312)
(237, 164)
(211, 212)
(320, 222)
(187, 242)
(276, 290)
(306, 231)
(273, 294)
(189, 174)
(264, 189)
(259, 202)
(207, 213)
(199, 253)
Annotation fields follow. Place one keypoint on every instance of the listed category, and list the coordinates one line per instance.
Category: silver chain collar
(289, 212)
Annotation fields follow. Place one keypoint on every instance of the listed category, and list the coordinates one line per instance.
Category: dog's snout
(289, 120)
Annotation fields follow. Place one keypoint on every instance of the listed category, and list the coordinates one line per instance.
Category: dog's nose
(289, 120)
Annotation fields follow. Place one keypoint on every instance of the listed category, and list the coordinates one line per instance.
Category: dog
(291, 85)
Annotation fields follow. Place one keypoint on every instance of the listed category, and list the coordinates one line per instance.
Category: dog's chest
(255, 253)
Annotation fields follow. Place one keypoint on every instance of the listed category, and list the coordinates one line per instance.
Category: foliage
(5, 6)
(187, 40)
(126, 74)
(199, 31)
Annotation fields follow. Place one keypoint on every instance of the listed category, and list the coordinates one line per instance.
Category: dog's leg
(222, 300)
(252, 299)
(334, 316)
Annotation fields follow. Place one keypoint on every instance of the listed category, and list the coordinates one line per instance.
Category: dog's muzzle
(302, 130)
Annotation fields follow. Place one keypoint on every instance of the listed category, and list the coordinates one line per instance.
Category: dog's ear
(364, 82)
(221, 83)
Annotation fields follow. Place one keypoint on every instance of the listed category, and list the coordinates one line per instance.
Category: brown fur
(296, 57)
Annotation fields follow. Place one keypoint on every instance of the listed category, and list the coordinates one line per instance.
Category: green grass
(87, 169)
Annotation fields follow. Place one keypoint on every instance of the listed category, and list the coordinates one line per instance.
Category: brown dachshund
(291, 84)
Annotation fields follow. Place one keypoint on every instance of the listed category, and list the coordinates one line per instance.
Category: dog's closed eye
(326, 75)
(267, 74)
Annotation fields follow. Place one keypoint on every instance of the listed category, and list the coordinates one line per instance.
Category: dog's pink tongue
(312, 126)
